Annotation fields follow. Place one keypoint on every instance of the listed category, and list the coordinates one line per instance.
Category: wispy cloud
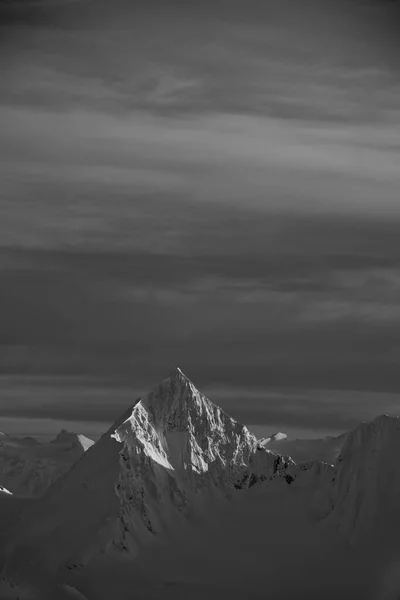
(171, 89)
(230, 159)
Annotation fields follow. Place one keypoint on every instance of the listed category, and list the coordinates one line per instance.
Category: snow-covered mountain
(363, 497)
(173, 468)
(28, 467)
(168, 458)
(276, 437)
(356, 478)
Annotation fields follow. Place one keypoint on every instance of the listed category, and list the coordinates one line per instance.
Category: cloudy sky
(211, 184)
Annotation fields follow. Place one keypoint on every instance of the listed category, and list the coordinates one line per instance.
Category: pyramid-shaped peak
(172, 394)
(172, 403)
(177, 373)
(175, 388)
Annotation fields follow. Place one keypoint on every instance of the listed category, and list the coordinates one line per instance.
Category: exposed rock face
(179, 429)
(164, 460)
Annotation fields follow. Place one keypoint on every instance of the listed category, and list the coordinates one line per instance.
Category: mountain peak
(64, 436)
(72, 439)
(174, 399)
(172, 395)
(177, 374)
(276, 437)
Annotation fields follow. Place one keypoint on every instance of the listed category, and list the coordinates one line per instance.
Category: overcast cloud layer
(209, 185)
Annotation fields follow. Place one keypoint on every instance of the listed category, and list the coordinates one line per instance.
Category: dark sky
(213, 185)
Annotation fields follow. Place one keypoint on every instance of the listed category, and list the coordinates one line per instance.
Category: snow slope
(364, 493)
(357, 493)
(260, 545)
(276, 437)
(165, 462)
(27, 467)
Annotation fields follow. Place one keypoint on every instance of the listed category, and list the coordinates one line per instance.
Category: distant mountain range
(28, 467)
